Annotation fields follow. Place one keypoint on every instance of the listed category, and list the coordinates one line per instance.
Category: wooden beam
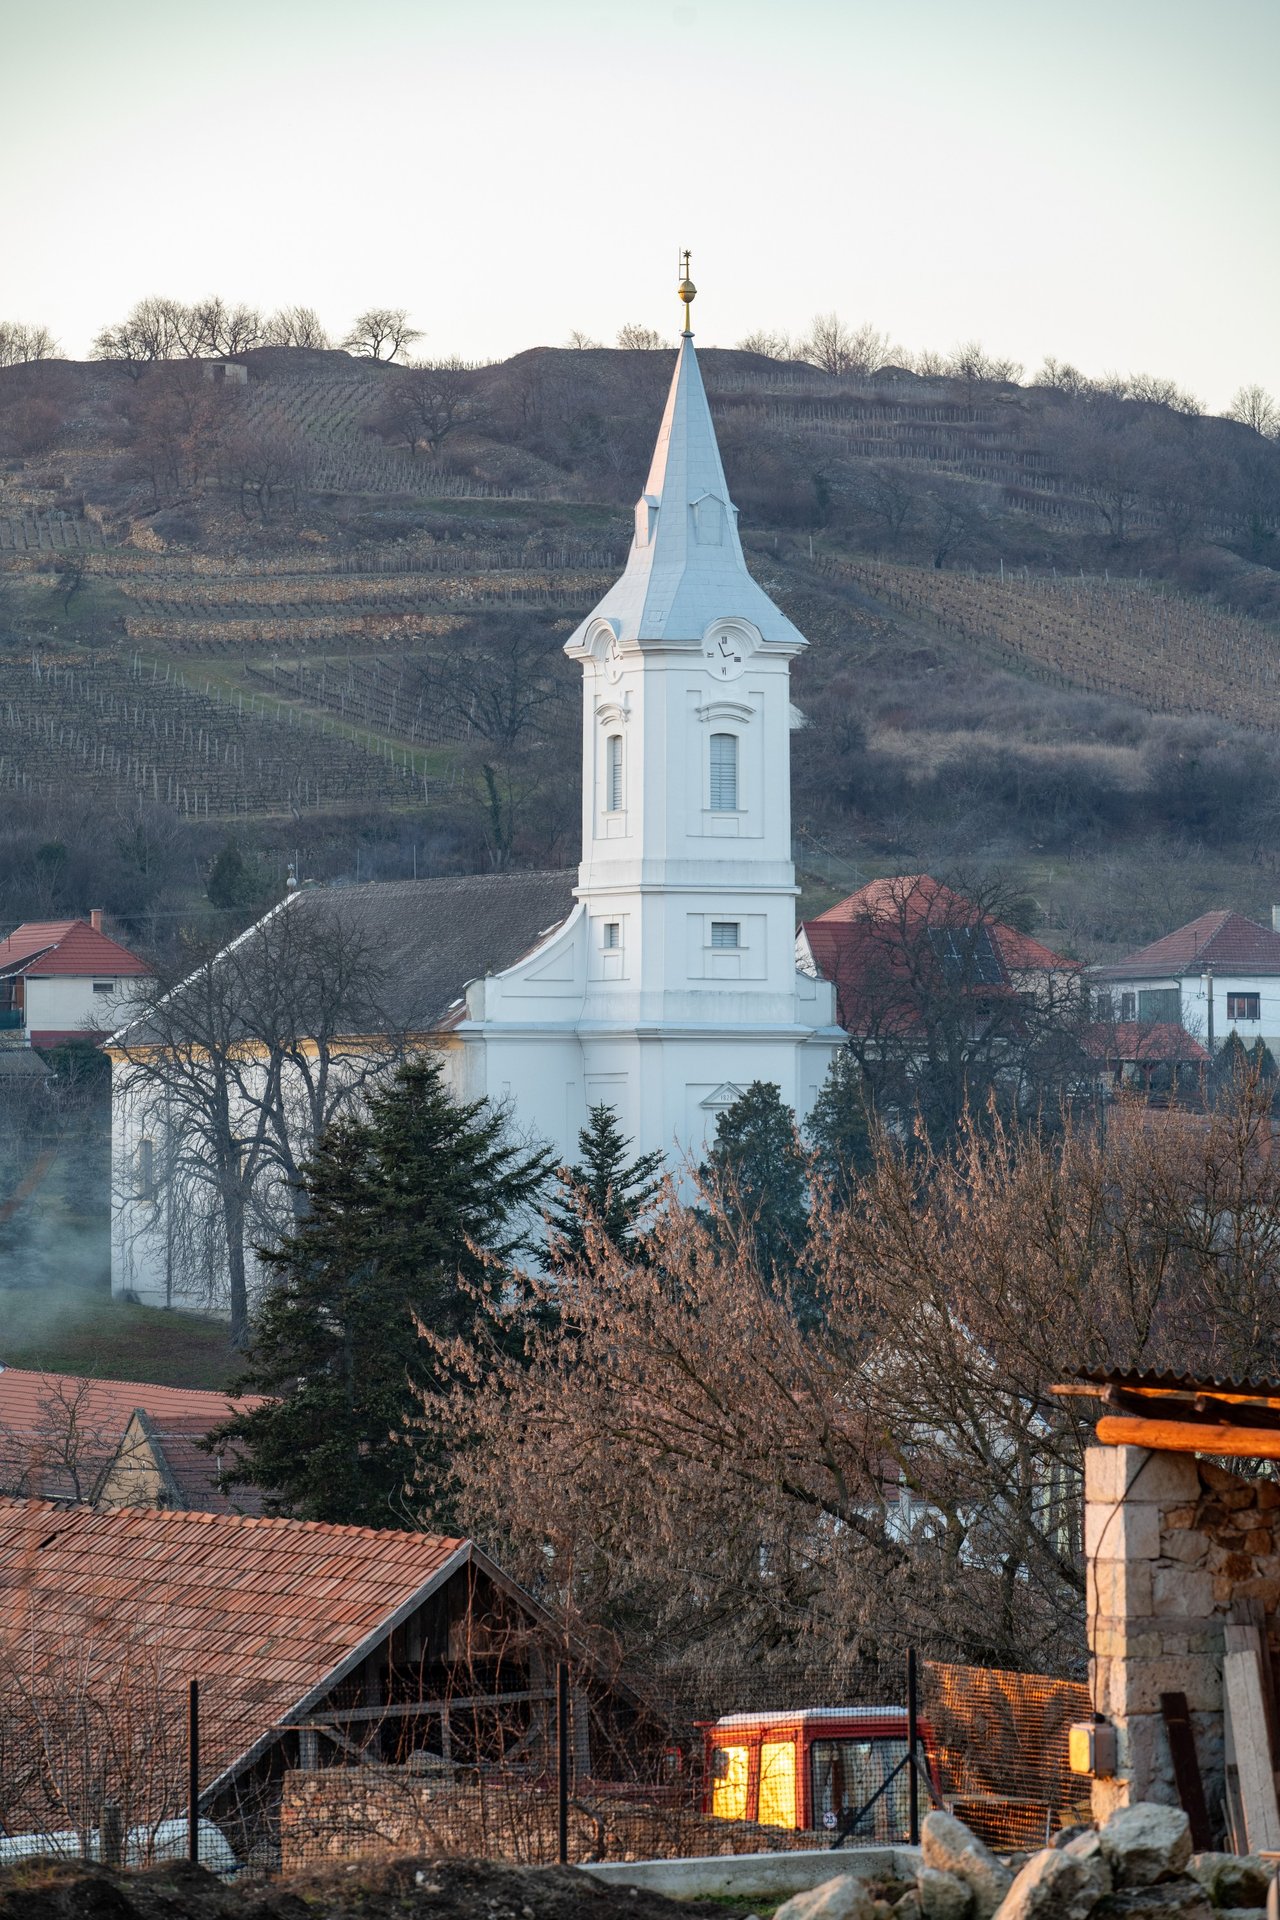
(408, 1709)
(1188, 1436)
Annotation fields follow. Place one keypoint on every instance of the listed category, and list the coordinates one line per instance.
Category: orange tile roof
(268, 1614)
(38, 1412)
(47, 948)
(25, 1395)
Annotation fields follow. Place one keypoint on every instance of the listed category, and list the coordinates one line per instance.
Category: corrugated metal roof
(1151, 1379)
(268, 1614)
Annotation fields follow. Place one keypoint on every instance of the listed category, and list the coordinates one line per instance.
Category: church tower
(682, 970)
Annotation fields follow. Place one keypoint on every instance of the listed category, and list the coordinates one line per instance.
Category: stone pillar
(1151, 1617)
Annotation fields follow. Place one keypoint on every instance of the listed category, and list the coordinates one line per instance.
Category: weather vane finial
(686, 290)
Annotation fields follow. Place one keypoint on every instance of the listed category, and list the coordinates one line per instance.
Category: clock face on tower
(724, 653)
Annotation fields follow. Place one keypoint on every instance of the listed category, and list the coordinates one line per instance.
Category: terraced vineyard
(1116, 637)
(177, 611)
(396, 696)
(205, 754)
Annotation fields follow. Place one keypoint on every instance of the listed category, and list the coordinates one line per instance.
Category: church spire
(686, 567)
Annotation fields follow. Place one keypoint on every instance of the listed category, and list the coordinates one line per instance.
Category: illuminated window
(613, 773)
(724, 933)
(724, 773)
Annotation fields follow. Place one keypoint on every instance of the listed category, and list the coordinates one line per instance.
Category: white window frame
(726, 926)
(716, 802)
(614, 775)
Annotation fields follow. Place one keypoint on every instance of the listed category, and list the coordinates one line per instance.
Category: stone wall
(1171, 1542)
(339, 1812)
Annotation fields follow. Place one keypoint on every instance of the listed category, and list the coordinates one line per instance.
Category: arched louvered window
(613, 773)
(724, 773)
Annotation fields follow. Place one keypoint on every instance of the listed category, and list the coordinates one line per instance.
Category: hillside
(321, 609)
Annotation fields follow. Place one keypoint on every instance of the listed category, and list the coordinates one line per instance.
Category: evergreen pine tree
(1229, 1067)
(617, 1192)
(396, 1204)
(839, 1125)
(1262, 1061)
(757, 1166)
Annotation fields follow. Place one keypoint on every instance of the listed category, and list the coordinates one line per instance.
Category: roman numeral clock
(724, 651)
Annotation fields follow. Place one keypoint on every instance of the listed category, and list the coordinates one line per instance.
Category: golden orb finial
(686, 290)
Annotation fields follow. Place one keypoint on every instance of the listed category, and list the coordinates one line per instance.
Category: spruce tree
(401, 1206)
(616, 1192)
(839, 1125)
(757, 1168)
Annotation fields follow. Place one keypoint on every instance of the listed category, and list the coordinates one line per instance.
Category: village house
(1218, 975)
(885, 946)
(323, 1653)
(661, 980)
(63, 980)
(115, 1443)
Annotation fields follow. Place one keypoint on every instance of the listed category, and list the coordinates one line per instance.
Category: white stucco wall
(68, 1004)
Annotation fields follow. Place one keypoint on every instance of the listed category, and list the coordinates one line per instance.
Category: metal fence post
(913, 1778)
(562, 1758)
(193, 1772)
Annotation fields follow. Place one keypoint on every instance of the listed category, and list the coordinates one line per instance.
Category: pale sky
(1097, 179)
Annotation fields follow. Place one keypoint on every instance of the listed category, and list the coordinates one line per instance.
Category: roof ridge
(105, 1380)
(168, 1516)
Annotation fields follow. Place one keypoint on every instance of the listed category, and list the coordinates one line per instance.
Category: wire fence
(558, 1761)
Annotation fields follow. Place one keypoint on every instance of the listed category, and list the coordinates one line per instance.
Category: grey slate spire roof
(685, 568)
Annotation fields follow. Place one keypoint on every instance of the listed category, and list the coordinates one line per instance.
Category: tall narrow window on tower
(613, 773)
(724, 773)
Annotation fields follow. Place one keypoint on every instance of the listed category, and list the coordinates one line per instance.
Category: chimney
(95, 918)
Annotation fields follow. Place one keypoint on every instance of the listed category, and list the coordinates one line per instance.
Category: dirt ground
(426, 1889)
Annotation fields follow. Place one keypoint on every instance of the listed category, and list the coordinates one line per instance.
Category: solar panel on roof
(967, 956)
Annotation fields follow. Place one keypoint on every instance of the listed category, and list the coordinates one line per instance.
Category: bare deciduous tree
(20, 344)
(235, 1070)
(381, 333)
(774, 345)
(426, 404)
(295, 327)
(839, 349)
(637, 337)
(1254, 407)
(972, 363)
(877, 1459)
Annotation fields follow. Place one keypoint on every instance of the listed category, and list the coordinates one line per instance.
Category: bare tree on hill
(773, 345)
(838, 349)
(295, 327)
(20, 344)
(426, 404)
(637, 337)
(1254, 407)
(381, 333)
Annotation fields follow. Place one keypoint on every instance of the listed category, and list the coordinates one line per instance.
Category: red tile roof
(869, 945)
(193, 1471)
(1148, 1044)
(59, 1432)
(915, 899)
(1225, 941)
(48, 948)
(268, 1614)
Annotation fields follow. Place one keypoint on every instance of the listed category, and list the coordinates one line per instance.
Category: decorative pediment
(722, 1096)
(610, 711)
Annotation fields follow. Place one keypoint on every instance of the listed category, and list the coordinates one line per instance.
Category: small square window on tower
(612, 933)
(724, 933)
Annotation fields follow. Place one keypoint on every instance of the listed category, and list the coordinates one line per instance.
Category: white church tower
(673, 984)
